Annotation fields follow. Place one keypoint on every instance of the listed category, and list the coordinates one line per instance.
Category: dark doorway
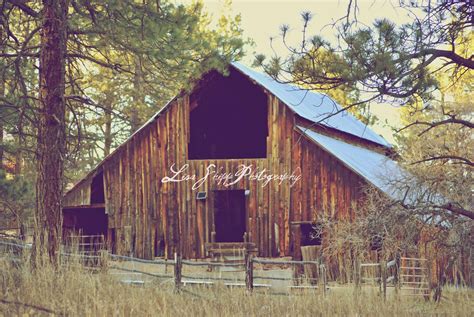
(87, 221)
(87, 227)
(228, 118)
(229, 215)
(97, 189)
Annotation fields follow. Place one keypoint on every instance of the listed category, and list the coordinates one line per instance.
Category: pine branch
(462, 160)
(21, 4)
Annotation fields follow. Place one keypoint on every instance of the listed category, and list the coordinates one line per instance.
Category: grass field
(75, 292)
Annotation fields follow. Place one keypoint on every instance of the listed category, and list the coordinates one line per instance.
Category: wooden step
(412, 268)
(228, 251)
(230, 245)
(414, 289)
(303, 287)
(413, 259)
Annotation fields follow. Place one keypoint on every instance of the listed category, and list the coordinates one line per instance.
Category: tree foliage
(383, 60)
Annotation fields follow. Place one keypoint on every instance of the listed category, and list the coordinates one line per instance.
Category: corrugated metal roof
(376, 168)
(313, 106)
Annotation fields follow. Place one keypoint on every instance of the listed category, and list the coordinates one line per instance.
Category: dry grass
(74, 292)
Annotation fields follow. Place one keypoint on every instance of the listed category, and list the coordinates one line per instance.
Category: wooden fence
(402, 273)
(102, 260)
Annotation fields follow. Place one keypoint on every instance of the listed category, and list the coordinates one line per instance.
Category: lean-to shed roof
(376, 168)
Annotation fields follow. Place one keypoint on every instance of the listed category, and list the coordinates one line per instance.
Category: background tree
(384, 60)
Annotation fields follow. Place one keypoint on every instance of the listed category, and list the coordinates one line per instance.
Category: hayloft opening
(229, 215)
(228, 118)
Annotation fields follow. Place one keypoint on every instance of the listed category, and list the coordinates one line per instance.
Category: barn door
(229, 215)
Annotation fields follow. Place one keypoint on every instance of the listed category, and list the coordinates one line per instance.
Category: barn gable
(312, 106)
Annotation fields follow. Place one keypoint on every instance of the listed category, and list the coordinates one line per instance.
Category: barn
(240, 158)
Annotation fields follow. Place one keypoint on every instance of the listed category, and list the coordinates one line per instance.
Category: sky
(261, 20)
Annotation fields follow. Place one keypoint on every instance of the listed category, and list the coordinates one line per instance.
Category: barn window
(228, 118)
(311, 234)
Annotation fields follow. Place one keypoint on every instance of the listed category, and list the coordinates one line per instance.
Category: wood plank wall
(81, 195)
(142, 210)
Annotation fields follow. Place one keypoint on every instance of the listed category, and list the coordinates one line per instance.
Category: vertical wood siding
(327, 186)
(145, 212)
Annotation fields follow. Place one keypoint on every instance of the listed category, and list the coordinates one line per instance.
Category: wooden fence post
(177, 271)
(248, 270)
(103, 260)
(322, 278)
(397, 273)
(357, 273)
(383, 278)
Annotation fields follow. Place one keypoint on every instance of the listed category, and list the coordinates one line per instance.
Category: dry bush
(393, 229)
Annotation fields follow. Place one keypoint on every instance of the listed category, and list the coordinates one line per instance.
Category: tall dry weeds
(73, 291)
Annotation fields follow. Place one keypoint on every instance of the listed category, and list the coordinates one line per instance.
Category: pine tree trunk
(19, 144)
(2, 93)
(138, 97)
(108, 127)
(51, 131)
(1, 144)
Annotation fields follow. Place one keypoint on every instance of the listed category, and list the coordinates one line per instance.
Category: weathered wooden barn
(240, 157)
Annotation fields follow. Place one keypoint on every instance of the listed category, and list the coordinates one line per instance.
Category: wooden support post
(383, 277)
(379, 278)
(177, 271)
(213, 236)
(248, 270)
